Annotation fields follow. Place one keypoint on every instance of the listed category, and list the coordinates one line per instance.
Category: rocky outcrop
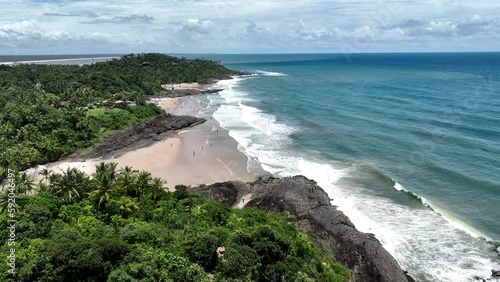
(188, 92)
(495, 273)
(328, 227)
(138, 136)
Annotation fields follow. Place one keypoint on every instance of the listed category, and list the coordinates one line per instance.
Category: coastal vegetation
(122, 225)
(50, 111)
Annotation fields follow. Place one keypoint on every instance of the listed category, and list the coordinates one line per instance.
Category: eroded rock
(324, 223)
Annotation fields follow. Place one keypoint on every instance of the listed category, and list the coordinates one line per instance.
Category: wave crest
(269, 73)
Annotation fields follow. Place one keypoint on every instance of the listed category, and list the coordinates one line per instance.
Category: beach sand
(203, 154)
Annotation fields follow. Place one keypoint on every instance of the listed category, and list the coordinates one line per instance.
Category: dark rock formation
(328, 227)
(187, 92)
(495, 273)
(138, 136)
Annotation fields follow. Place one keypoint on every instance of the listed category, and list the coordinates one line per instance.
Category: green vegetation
(123, 226)
(48, 112)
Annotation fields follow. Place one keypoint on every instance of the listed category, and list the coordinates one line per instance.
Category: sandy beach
(203, 154)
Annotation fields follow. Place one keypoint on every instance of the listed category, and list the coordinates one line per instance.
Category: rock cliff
(324, 223)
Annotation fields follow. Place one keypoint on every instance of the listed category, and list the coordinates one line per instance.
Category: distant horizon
(283, 53)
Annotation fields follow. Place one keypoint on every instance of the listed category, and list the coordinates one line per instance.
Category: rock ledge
(328, 227)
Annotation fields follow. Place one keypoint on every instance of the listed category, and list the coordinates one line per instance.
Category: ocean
(407, 145)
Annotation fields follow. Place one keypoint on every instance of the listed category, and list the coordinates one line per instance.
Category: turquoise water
(407, 145)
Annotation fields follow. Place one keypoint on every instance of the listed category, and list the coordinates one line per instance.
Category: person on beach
(194, 153)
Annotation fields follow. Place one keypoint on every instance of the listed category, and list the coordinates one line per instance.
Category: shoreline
(328, 176)
(201, 154)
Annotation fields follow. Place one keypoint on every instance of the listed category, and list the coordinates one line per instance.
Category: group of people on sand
(194, 151)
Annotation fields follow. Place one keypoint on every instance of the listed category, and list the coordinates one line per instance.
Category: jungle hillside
(50, 111)
(121, 225)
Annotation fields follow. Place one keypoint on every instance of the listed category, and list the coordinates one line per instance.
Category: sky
(247, 26)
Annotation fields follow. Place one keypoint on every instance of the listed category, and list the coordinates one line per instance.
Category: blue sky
(247, 26)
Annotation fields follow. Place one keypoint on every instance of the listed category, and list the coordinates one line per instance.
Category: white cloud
(30, 32)
(247, 26)
(312, 34)
(119, 19)
(444, 28)
(196, 26)
(31, 35)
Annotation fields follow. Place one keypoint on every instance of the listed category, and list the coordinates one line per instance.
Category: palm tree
(143, 180)
(156, 189)
(26, 183)
(69, 184)
(100, 168)
(9, 159)
(87, 126)
(45, 173)
(53, 180)
(127, 169)
(23, 183)
(107, 168)
(127, 180)
(127, 206)
(4, 162)
(111, 168)
(4, 201)
(104, 187)
(42, 187)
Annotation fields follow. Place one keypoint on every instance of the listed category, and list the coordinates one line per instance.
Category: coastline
(201, 154)
(65, 61)
(434, 262)
(176, 163)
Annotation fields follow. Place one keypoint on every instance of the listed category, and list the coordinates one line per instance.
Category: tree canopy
(121, 225)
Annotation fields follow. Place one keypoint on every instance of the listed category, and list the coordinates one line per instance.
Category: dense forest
(50, 111)
(121, 225)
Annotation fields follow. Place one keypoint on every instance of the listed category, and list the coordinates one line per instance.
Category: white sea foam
(457, 223)
(398, 186)
(422, 241)
(269, 73)
(401, 188)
